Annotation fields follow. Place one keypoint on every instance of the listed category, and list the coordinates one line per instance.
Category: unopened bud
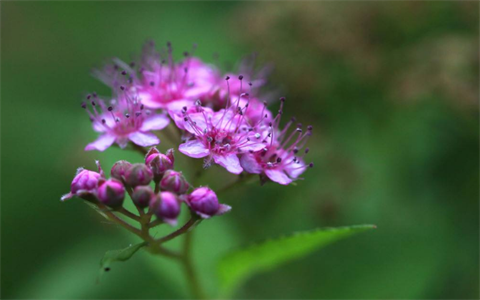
(158, 162)
(166, 207)
(138, 174)
(204, 202)
(174, 182)
(119, 169)
(111, 192)
(85, 182)
(142, 195)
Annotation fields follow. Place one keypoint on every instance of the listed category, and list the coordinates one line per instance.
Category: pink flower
(162, 83)
(122, 120)
(204, 202)
(84, 183)
(166, 207)
(280, 161)
(221, 136)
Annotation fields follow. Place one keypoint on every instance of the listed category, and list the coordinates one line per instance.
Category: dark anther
(94, 95)
(282, 99)
(310, 165)
(110, 108)
(124, 72)
(299, 130)
(270, 124)
(310, 127)
(295, 150)
(185, 119)
(138, 113)
(185, 53)
(250, 84)
(240, 77)
(93, 103)
(152, 83)
(227, 78)
(141, 107)
(127, 116)
(84, 105)
(293, 119)
(89, 96)
(122, 87)
(103, 121)
(279, 159)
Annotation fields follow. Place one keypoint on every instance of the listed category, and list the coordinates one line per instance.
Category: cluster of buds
(153, 185)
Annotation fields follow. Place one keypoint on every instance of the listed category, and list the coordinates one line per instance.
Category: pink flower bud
(119, 169)
(174, 182)
(142, 195)
(111, 192)
(166, 207)
(84, 183)
(204, 202)
(138, 174)
(158, 162)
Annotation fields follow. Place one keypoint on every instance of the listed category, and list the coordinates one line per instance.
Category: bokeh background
(391, 89)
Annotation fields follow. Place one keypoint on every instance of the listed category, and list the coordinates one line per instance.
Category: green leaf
(118, 255)
(237, 266)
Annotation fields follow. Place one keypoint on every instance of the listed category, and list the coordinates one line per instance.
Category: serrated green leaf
(237, 266)
(118, 255)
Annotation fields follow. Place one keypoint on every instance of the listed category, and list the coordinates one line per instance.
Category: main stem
(190, 273)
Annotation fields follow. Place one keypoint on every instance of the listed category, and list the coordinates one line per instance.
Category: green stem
(190, 273)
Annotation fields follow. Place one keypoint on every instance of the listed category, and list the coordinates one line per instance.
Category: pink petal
(144, 139)
(223, 209)
(148, 99)
(278, 176)
(229, 162)
(155, 122)
(194, 148)
(250, 164)
(102, 143)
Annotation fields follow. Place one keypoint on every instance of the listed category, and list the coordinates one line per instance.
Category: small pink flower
(204, 202)
(174, 181)
(84, 183)
(221, 136)
(159, 163)
(124, 119)
(142, 196)
(111, 192)
(280, 161)
(166, 207)
(159, 81)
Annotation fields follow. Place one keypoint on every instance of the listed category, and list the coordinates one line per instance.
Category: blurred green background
(391, 89)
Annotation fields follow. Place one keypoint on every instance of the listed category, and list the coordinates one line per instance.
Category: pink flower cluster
(221, 120)
(164, 202)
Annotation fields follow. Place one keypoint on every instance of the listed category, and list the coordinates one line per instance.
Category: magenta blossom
(122, 120)
(204, 202)
(221, 136)
(280, 160)
(84, 183)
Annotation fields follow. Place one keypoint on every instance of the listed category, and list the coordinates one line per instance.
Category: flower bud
(158, 162)
(166, 207)
(174, 182)
(119, 169)
(85, 182)
(142, 195)
(111, 192)
(138, 174)
(204, 202)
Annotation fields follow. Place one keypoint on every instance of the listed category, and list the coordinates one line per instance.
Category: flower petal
(229, 162)
(102, 143)
(148, 99)
(250, 164)
(155, 122)
(278, 176)
(194, 148)
(144, 139)
(223, 209)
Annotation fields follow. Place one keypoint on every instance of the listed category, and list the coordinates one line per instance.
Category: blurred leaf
(118, 255)
(238, 265)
